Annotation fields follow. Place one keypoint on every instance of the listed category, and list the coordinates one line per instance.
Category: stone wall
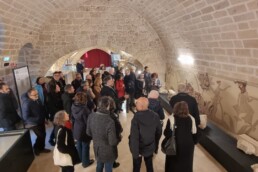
(99, 26)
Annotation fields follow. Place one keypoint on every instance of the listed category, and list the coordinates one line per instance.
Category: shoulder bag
(168, 145)
(61, 159)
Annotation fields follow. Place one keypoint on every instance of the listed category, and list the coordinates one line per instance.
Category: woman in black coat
(80, 113)
(62, 132)
(184, 131)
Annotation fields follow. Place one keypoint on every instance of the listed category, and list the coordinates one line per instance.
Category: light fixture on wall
(186, 59)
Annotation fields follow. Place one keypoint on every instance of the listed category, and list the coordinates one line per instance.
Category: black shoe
(116, 164)
(45, 151)
(52, 142)
(91, 162)
(36, 152)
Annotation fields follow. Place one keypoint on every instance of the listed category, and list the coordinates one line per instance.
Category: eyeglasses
(34, 95)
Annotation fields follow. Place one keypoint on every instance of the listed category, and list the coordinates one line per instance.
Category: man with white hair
(191, 101)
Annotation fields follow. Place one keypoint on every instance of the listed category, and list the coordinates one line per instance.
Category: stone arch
(74, 56)
(121, 29)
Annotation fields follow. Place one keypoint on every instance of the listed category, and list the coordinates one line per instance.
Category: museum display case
(16, 153)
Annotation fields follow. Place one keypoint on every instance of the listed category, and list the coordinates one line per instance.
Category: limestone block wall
(221, 35)
(99, 26)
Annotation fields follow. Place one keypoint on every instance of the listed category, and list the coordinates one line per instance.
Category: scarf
(172, 122)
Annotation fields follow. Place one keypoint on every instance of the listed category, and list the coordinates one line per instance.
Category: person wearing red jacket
(120, 88)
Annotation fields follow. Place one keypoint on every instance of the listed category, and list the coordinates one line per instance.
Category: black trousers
(148, 163)
(40, 131)
(130, 101)
(68, 169)
(52, 136)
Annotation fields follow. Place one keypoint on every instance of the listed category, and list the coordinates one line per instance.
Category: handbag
(168, 145)
(61, 159)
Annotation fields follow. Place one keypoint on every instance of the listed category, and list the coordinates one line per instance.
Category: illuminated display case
(16, 154)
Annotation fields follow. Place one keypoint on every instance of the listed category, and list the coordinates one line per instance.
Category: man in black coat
(77, 81)
(55, 104)
(191, 101)
(129, 81)
(34, 116)
(108, 90)
(147, 78)
(144, 137)
(8, 108)
(80, 67)
(56, 80)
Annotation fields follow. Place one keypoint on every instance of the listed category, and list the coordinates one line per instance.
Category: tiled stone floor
(203, 162)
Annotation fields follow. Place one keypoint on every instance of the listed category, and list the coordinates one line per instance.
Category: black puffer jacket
(80, 114)
(145, 133)
(155, 106)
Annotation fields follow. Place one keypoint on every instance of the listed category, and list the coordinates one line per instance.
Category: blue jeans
(83, 149)
(108, 166)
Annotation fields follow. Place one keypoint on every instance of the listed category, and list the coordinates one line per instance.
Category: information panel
(22, 81)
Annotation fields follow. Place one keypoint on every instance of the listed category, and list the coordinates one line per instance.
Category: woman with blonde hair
(184, 129)
(65, 141)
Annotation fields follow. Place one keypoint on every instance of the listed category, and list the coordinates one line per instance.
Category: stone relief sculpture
(204, 81)
(202, 105)
(242, 106)
(216, 99)
(244, 110)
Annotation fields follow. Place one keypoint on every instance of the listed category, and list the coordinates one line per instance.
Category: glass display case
(16, 153)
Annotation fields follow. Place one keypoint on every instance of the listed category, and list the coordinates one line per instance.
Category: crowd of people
(88, 110)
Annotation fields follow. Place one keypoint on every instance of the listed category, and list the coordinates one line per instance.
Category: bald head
(181, 88)
(142, 104)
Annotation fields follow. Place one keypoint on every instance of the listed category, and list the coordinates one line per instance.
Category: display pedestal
(16, 154)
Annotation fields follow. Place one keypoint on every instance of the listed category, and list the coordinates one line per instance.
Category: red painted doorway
(95, 57)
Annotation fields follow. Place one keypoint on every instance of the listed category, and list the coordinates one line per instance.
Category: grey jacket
(101, 127)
